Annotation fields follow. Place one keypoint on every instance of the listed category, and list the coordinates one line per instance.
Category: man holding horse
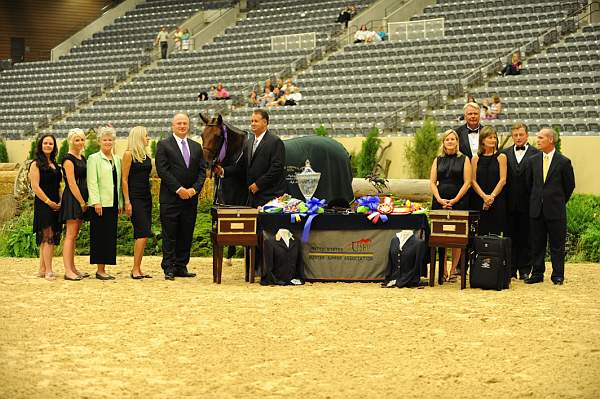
(263, 161)
(181, 168)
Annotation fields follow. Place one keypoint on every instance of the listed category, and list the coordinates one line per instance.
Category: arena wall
(44, 24)
(582, 150)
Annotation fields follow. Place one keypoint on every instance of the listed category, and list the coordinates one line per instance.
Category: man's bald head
(546, 139)
(180, 124)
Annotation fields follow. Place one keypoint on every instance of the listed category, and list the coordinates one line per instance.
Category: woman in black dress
(135, 180)
(73, 209)
(45, 177)
(489, 178)
(450, 179)
(106, 198)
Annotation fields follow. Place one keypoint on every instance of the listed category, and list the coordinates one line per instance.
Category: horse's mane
(235, 130)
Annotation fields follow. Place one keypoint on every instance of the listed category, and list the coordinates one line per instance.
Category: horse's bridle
(216, 152)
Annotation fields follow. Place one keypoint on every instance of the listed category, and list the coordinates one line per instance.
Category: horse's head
(212, 138)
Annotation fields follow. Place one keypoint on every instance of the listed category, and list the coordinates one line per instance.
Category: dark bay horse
(223, 144)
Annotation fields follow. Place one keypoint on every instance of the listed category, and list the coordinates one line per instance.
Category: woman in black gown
(45, 177)
(489, 178)
(73, 209)
(450, 179)
(135, 181)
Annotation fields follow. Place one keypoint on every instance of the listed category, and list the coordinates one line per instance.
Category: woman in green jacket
(106, 201)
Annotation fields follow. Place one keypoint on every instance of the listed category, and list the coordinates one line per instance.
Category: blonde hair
(446, 134)
(75, 132)
(135, 143)
(474, 105)
(107, 131)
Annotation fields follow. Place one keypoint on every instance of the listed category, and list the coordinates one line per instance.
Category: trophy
(308, 180)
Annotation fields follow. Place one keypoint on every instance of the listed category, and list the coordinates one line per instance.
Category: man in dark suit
(468, 134)
(552, 182)
(518, 199)
(181, 168)
(468, 139)
(263, 161)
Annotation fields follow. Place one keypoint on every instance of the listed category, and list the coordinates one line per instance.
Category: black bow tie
(520, 148)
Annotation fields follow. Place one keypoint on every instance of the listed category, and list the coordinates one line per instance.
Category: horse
(223, 144)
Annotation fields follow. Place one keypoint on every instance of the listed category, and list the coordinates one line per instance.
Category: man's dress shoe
(169, 276)
(534, 279)
(184, 273)
(523, 276)
(558, 280)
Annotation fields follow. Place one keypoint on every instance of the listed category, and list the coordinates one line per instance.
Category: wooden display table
(451, 229)
(233, 226)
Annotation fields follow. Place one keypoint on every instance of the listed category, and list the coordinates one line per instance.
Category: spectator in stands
(485, 108)
(266, 98)
(361, 34)
(106, 197)
(135, 181)
(177, 38)
(288, 84)
(489, 178)
(185, 40)
(268, 85)
(45, 177)
(450, 180)
(515, 66)
(222, 93)
(212, 93)
(203, 96)
(279, 83)
(163, 39)
(293, 96)
(495, 109)
(346, 15)
(253, 99)
(73, 209)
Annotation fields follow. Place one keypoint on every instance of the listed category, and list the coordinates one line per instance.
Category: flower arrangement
(377, 208)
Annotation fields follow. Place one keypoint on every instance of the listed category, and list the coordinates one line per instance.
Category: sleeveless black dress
(140, 198)
(70, 208)
(450, 177)
(493, 220)
(45, 219)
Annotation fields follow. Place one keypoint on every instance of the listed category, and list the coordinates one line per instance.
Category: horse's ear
(219, 119)
(204, 118)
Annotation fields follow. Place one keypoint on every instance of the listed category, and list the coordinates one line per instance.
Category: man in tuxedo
(468, 134)
(518, 199)
(181, 168)
(552, 182)
(263, 162)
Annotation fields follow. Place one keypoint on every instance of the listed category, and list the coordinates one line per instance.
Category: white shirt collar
(178, 139)
(550, 155)
(257, 139)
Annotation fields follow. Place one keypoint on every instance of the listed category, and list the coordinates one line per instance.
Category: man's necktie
(546, 165)
(254, 145)
(185, 151)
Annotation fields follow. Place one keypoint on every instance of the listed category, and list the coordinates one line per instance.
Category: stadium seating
(240, 58)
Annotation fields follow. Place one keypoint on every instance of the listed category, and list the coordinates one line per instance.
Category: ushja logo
(362, 245)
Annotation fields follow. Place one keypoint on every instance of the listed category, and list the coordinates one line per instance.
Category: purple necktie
(186, 152)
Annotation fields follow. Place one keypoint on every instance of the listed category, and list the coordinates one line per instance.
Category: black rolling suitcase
(491, 266)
